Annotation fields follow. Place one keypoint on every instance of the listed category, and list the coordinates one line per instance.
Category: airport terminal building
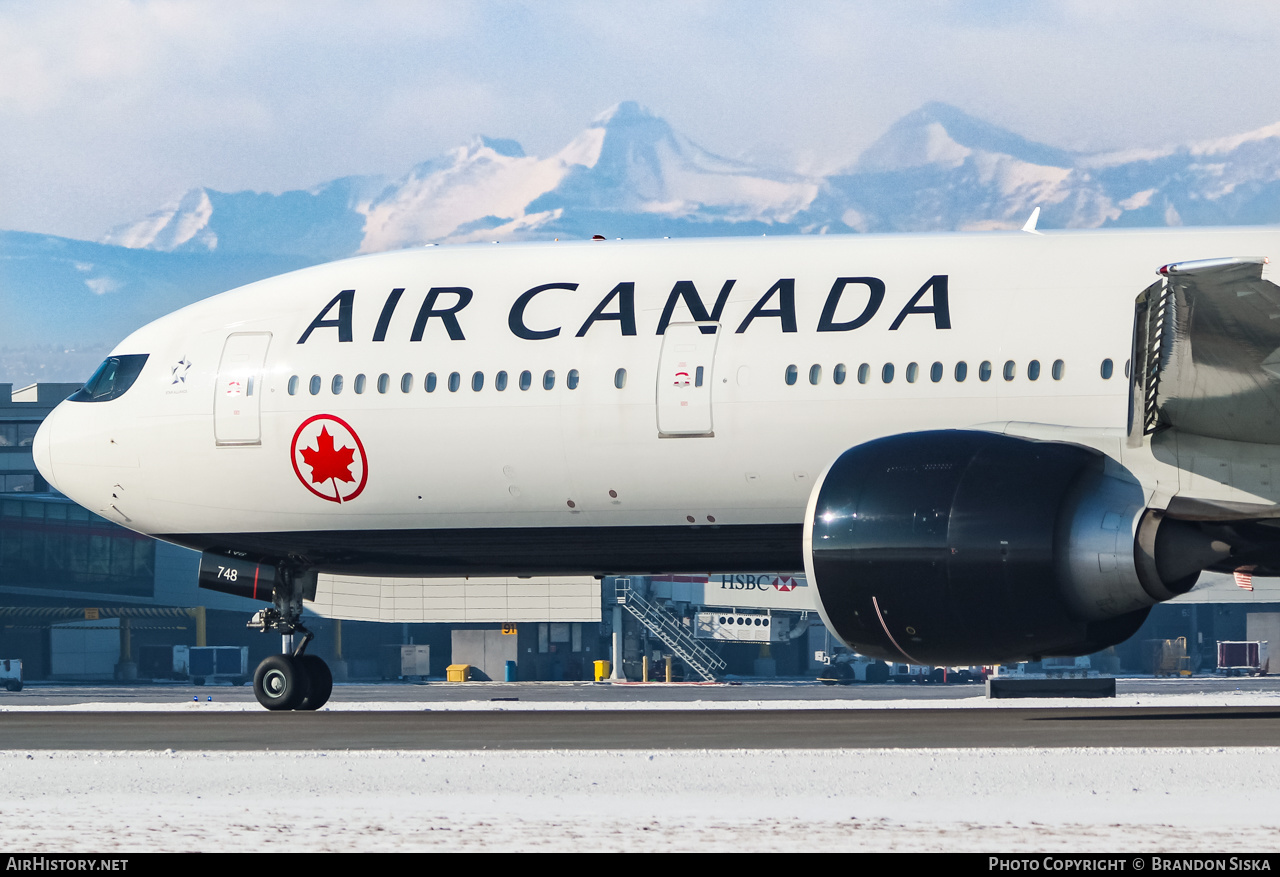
(82, 598)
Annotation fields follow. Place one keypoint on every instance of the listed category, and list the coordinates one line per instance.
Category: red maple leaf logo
(327, 463)
(330, 465)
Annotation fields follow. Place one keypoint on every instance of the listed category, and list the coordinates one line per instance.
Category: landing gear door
(238, 391)
(684, 379)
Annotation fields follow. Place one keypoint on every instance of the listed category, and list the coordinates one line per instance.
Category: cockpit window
(112, 379)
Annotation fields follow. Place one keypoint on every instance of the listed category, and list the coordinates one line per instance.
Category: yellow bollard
(667, 658)
(644, 669)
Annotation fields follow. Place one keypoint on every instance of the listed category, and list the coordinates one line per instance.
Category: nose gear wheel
(296, 681)
(281, 682)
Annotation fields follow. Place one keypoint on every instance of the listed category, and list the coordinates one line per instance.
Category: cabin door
(685, 379)
(238, 390)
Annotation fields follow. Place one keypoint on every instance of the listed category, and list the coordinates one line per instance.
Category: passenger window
(913, 371)
(500, 381)
(838, 373)
(526, 380)
(455, 381)
(962, 372)
(548, 379)
(815, 374)
(1010, 370)
(1058, 368)
(620, 378)
(935, 372)
(698, 375)
(984, 371)
(406, 382)
(1126, 368)
(293, 385)
(477, 382)
(315, 385)
(335, 386)
(384, 381)
(886, 373)
(431, 382)
(359, 387)
(864, 373)
(572, 380)
(791, 375)
(1107, 369)
(1033, 370)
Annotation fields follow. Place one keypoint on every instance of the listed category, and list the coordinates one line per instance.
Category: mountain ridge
(629, 173)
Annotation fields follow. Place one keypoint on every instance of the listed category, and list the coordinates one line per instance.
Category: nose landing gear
(295, 681)
(290, 681)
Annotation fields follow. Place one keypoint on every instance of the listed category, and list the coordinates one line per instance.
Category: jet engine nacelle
(968, 547)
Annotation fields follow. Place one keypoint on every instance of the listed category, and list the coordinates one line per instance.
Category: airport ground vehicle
(846, 668)
(11, 674)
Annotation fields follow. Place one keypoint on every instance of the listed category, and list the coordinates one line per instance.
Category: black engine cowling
(966, 547)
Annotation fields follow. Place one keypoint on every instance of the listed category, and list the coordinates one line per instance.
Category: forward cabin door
(684, 379)
(238, 390)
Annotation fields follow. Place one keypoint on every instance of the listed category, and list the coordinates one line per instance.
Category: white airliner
(939, 429)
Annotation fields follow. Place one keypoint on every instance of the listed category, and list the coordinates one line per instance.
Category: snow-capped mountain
(629, 174)
(939, 169)
(326, 222)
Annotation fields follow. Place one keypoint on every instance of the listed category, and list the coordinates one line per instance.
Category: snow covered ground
(1051, 800)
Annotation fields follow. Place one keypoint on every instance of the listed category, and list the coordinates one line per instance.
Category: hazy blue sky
(110, 108)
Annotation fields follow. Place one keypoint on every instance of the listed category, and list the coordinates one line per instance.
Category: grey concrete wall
(486, 650)
(1265, 626)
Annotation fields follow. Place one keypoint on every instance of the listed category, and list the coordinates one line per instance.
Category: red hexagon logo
(330, 450)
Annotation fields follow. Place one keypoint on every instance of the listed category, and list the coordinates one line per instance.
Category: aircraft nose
(41, 448)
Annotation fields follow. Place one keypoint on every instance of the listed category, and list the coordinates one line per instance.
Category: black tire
(838, 674)
(321, 683)
(14, 685)
(280, 683)
(877, 674)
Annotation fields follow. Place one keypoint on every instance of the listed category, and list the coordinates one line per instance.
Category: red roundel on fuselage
(329, 458)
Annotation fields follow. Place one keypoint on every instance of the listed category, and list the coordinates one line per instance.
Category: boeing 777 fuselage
(678, 405)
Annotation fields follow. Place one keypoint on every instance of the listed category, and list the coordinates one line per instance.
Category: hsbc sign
(742, 590)
(759, 591)
(753, 582)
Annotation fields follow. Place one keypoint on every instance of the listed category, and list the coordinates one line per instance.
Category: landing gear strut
(295, 681)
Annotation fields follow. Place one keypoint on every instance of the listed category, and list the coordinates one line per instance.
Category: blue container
(509, 673)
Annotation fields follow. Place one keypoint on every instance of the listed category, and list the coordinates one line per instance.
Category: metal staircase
(667, 628)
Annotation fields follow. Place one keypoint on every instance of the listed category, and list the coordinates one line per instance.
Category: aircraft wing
(1206, 352)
